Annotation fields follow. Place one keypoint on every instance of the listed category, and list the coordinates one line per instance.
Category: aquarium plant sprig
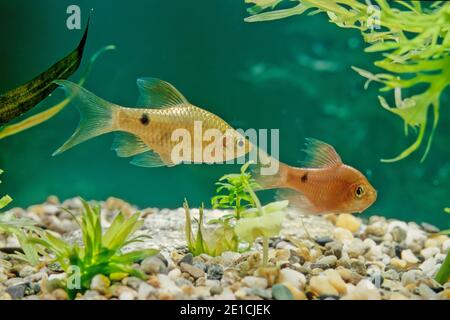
(101, 251)
(249, 220)
(232, 192)
(413, 38)
(214, 239)
(5, 200)
(443, 274)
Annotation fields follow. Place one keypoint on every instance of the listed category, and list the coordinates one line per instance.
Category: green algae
(413, 40)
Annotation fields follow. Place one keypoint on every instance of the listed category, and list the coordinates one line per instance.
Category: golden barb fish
(147, 134)
(16, 102)
(323, 185)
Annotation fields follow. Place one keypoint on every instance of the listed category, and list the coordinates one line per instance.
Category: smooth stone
(167, 285)
(255, 282)
(355, 248)
(193, 271)
(127, 295)
(60, 294)
(174, 274)
(429, 267)
(263, 293)
(334, 248)
(429, 252)
(323, 240)
(228, 257)
(153, 265)
(100, 283)
(398, 263)
(446, 246)
(132, 282)
(342, 235)
(364, 290)
(398, 234)
(27, 271)
(293, 277)
(322, 286)
(429, 227)
(411, 277)
(215, 272)
(329, 261)
(409, 257)
(426, 292)
(17, 292)
(145, 290)
(378, 229)
(349, 222)
(188, 258)
(282, 292)
(335, 279)
(216, 290)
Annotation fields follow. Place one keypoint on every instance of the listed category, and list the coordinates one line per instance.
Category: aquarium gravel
(338, 257)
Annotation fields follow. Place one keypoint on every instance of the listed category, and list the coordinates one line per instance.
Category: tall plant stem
(260, 212)
(443, 274)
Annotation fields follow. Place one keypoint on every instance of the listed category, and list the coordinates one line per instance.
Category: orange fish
(324, 185)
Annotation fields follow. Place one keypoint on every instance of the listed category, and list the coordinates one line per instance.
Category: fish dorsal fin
(127, 145)
(157, 93)
(149, 159)
(320, 154)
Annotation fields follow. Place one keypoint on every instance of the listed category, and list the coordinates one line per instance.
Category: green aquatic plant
(16, 102)
(101, 252)
(413, 39)
(232, 192)
(21, 229)
(443, 274)
(49, 113)
(249, 220)
(4, 200)
(213, 239)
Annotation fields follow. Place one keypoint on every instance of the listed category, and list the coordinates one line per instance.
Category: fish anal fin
(297, 200)
(127, 145)
(156, 93)
(320, 154)
(150, 159)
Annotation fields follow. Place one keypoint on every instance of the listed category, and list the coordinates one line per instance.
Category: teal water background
(291, 74)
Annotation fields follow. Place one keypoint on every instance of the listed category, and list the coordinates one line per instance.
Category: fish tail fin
(97, 116)
(270, 179)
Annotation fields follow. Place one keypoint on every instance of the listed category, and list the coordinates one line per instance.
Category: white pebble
(255, 282)
(409, 257)
(429, 252)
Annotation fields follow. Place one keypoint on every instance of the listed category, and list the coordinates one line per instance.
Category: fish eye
(359, 192)
(241, 143)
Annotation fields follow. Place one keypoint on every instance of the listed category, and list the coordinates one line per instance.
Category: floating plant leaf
(22, 99)
(414, 42)
(43, 116)
(5, 200)
(255, 224)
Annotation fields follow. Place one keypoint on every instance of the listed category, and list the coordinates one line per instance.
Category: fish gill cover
(413, 38)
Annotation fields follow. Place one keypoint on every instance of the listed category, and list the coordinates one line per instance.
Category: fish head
(236, 145)
(359, 194)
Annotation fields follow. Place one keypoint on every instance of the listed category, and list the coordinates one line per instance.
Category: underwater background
(293, 74)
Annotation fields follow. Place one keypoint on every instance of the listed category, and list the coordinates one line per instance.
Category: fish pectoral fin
(297, 200)
(150, 159)
(157, 93)
(320, 154)
(127, 145)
